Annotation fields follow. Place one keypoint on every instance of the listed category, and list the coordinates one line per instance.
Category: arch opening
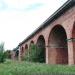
(41, 49)
(58, 49)
(22, 52)
(31, 43)
(26, 47)
(25, 52)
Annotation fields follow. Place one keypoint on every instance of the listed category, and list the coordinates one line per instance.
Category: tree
(8, 54)
(30, 54)
(2, 55)
(34, 54)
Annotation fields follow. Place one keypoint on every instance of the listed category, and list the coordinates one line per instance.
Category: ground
(26, 68)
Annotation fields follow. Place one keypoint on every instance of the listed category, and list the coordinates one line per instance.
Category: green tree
(30, 54)
(8, 54)
(2, 55)
(34, 54)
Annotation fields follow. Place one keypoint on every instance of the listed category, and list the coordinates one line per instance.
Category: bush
(34, 54)
(7, 54)
(30, 54)
(2, 54)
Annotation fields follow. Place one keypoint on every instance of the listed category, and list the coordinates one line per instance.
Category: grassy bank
(25, 68)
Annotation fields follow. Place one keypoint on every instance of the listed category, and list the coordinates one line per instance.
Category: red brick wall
(66, 21)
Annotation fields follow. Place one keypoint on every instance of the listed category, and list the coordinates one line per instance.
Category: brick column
(70, 52)
(46, 55)
(19, 54)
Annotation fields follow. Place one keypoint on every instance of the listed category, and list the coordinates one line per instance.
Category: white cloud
(20, 4)
(17, 25)
(24, 4)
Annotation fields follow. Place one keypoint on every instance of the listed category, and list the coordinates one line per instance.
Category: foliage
(8, 54)
(2, 47)
(27, 68)
(2, 55)
(41, 54)
(34, 54)
(30, 54)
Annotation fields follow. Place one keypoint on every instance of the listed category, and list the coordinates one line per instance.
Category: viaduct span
(56, 35)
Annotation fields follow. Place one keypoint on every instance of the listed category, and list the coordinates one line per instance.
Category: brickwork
(58, 55)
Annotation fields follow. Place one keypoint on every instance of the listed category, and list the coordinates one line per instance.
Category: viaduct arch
(56, 36)
(57, 42)
(41, 48)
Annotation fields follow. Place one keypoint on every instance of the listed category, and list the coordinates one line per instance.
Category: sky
(19, 18)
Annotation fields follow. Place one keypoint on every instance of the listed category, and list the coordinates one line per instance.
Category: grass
(26, 68)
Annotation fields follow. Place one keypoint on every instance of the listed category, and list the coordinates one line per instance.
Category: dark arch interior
(41, 49)
(31, 43)
(58, 50)
(26, 46)
(22, 52)
(17, 53)
(26, 50)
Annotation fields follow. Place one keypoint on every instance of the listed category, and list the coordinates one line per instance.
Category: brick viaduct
(57, 35)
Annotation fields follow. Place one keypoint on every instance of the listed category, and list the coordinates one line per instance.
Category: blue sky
(19, 18)
(34, 6)
(3, 6)
(7, 5)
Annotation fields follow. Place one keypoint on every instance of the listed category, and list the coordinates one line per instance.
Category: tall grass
(27, 68)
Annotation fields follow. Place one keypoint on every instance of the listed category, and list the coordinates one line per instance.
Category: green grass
(26, 68)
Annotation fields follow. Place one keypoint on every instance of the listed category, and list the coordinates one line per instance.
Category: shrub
(7, 54)
(34, 54)
(2, 54)
(30, 54)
